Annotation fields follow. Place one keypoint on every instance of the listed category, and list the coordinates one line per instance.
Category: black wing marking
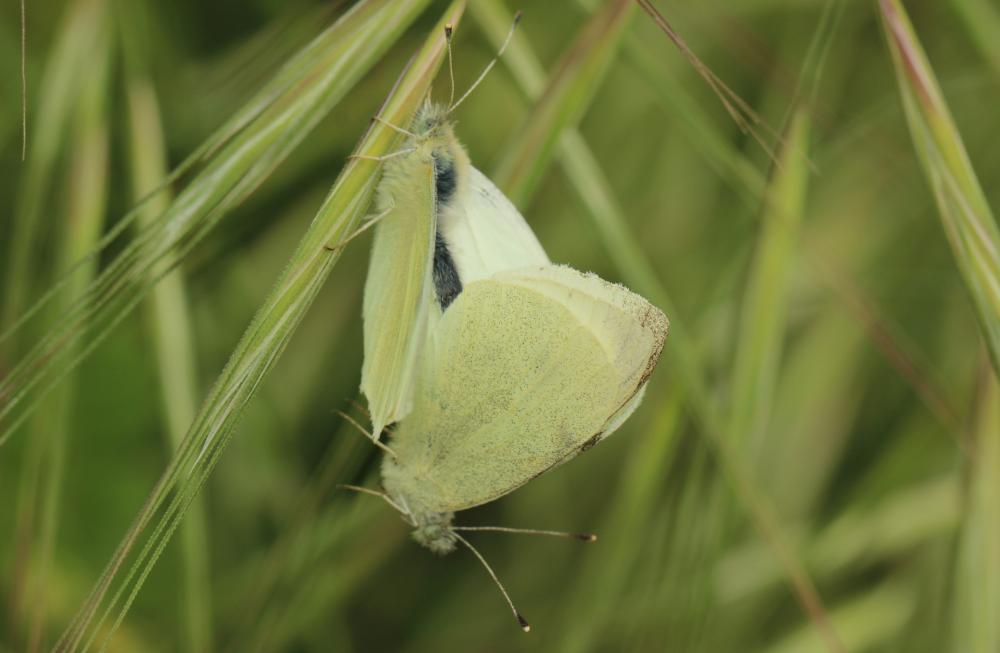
(447, 283)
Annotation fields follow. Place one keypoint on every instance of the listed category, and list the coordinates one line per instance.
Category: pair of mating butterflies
(495, 364)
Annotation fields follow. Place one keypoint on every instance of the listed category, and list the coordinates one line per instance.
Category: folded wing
(524, 370)
(398, 291)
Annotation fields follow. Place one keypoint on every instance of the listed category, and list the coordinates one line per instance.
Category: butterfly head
(434, 531)
(431, 123)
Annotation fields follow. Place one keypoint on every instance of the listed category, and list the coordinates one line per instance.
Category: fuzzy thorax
(431, 528)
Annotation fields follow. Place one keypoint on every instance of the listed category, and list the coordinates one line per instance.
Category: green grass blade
(975, 627)
(262, 343)
(762, 322)
(40, 491)
(169, 324)
(240, 156)
(968, 222)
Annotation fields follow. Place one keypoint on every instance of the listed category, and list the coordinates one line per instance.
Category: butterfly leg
(393, 127)
(384, 447)
(384, 157)
(368, 224)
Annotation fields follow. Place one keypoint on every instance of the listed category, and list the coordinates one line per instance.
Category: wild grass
(816, 463)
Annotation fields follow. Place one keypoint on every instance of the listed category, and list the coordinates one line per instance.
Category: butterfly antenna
(489, 66)
(583, 537)
(365, 432)
(448, 29)
(517, 615)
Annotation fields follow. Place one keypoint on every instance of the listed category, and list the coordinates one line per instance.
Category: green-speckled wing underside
(524, 370)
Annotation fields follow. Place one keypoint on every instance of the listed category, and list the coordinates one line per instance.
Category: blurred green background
(826, 410)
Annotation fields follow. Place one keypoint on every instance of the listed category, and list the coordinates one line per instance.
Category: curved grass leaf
(965, 214)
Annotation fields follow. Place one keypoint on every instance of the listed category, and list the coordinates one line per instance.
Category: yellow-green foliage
(814, 466)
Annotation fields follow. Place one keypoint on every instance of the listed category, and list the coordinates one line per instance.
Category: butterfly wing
(524, 370)
(398, 289)
(485, 233)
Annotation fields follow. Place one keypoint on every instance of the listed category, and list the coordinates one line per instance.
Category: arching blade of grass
(168, 320)
(235, 160)
(968, 222)
(572, 84)
(262, 344)
(78, 227)
(976, 628)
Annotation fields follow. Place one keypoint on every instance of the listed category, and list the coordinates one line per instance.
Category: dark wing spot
(446, 281)
(444, 180)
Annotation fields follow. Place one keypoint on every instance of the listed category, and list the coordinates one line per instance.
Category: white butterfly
(495, 364)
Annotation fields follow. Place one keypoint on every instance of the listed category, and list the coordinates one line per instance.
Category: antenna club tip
(517, 16)
(525, 626)
(448, 29)
(586, 537)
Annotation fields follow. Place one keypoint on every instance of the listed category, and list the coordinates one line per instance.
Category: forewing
(486, 234)
(527, 368)
(398, 290)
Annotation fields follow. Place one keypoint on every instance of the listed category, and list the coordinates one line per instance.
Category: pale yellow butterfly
(495, 364)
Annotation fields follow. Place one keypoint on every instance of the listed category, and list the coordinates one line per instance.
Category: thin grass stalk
(968, 222)
(240, 156)
(262, 344)
(169, 325)
(40, 490)
(531, 152)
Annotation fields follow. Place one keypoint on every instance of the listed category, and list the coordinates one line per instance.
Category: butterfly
(494, 364)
